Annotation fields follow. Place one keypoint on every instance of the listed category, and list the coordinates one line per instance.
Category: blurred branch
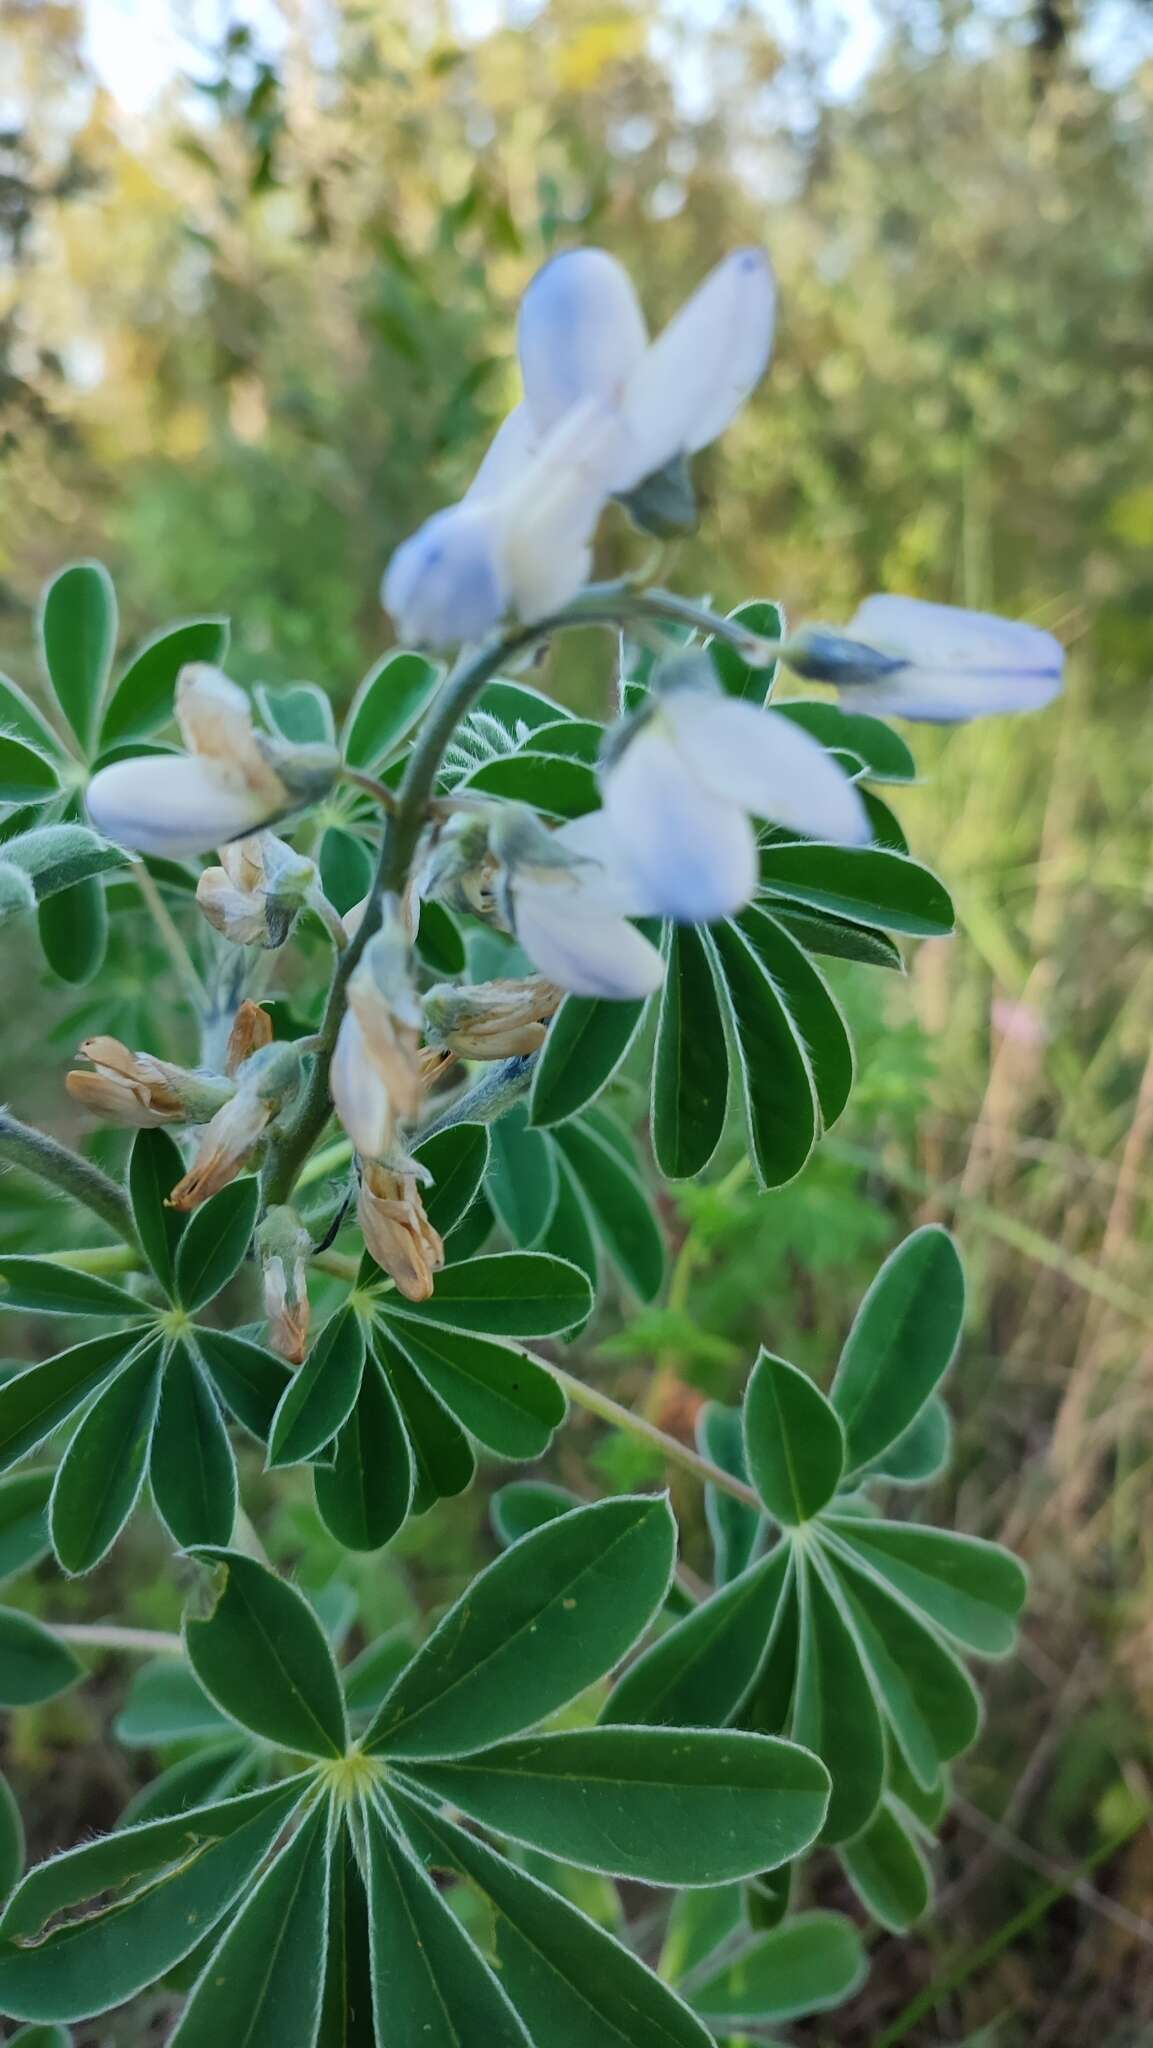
(37, 1153)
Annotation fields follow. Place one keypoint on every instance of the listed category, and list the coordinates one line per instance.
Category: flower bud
(264, 1084)
(133, 1088)
(902, 657)
(284, 1246)
(232, 781)
(491, 1020)
(256, 894)
(397, 1231)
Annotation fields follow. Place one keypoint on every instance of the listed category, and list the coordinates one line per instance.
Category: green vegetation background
(248, 341)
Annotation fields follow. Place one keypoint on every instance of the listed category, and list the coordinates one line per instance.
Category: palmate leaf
(542, 1623)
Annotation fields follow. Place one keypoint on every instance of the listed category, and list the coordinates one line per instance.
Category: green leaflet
(49, 1289)
(697, 1674)
(11, 1839)
(458, 1161)
(78, 627)
(89, 1965)
(26, 775)
(794, 1443)
(554, 783)
(497, 1391)
(443, 1460)
(760, 615)
(587, 1041)
(885, 754)
(74, 930)
(154, 1168)
(734, 1527)
(215, 1240)
(970, 1589)
(346, 2019)
(430, 1984)
(24, 1537)
(36, 1402)
(321, 1396)
(504, 1294)
(620, 1205)
(888, 1872)
(810, 1964)
(523, 1505)
(667, 1806)
(386, 707)
(572, 1984)
(521, 1182)
(570, 1233)
(811, 1005)
(902, 1342)
(919, 1453)
(261, 1654)
(364, 1496)
(167, 1704)
(250, 1380)
(690, 1085)
(537, 1627)
(34, 1664)
(862, 884)
(834, 1712)
(143, 698)
(777, 1089)
(191, 1468)
(102, 1470)
(262, 1986)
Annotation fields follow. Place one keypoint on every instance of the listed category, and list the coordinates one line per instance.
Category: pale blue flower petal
(689, 854)
(959, 664)
(702, 368)
(589, 955)
(765, 764)
(581, 332)
(508, 455)
(443, 587)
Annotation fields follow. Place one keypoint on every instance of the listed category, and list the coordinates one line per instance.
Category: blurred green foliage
(250, 337)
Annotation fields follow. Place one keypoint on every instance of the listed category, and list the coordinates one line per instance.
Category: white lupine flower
(231, 782)
(903, 657)
(570, 911)
(377, 1079)
(603, 411)
(682, 789)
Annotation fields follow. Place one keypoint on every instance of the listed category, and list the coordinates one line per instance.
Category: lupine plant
(429, 960)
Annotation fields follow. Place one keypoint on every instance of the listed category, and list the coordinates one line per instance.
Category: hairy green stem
(670, 1447)
(497, 1090)
(37, 1153)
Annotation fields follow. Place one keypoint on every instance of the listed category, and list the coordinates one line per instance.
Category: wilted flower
(376, 1075)
(491, 1020)
(396, 1229)
(604, 413)
(251, 1032)
(685, 776)
(264, 1084)
(231, 782)
(133, 1088)
(905, 658)
(256, 894)
(284, 1246)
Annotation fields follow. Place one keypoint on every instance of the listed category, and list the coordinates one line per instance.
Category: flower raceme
(604, 413)
(903, 657)
(230, 783)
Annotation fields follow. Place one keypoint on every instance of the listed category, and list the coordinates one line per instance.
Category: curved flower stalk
(604, 414)
(683, 781)
(231, 782)
(902, 657)
(258, 891)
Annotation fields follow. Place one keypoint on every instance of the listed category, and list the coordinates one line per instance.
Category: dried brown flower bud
(397, 1231)
(491, 1020)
